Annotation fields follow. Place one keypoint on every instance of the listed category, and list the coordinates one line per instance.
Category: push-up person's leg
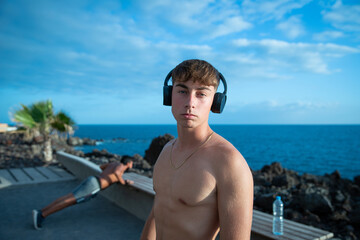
(85, 191)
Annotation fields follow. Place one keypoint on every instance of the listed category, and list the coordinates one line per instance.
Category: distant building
(4, 127)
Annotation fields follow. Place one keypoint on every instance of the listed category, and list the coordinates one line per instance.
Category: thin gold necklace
(172, 146)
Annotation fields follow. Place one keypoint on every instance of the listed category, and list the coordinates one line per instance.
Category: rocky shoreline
(328, 202)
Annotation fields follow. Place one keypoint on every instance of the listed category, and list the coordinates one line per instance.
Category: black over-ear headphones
(219, 98)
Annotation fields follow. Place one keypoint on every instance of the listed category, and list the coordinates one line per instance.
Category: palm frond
(63, 123)
(41, 111)
(24, 117)
(63, 117)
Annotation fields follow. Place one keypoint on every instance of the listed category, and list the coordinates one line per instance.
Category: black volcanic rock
(327, 202)
(154, 150)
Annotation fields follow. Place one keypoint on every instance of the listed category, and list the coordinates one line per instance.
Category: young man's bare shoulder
(223, 150)
(226, 158)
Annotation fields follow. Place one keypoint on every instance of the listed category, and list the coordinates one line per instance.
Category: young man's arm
(235, 198)
(149, 231)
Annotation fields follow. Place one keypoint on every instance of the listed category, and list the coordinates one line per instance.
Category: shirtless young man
(202, 182)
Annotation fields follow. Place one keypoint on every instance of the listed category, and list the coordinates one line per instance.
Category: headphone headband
(221, 77)
(168, 78)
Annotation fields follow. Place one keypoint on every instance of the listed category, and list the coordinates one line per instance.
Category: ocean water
(315, 149)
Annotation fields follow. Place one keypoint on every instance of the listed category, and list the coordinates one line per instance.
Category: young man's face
(191, 103)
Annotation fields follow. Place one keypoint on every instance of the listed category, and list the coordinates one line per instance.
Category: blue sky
(104, 62)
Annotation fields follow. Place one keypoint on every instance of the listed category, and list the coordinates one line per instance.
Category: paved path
(95, 219)
(23, 176)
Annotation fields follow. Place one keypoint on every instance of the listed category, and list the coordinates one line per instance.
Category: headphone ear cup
(218, 103)
(167, 91)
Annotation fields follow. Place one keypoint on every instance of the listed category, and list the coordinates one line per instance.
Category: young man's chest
(192, 184)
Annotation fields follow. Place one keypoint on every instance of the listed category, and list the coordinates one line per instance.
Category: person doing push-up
(111, 173)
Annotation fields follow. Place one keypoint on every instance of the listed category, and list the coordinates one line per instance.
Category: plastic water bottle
(278, 221)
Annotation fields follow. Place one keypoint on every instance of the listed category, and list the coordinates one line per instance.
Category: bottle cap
(278, 197)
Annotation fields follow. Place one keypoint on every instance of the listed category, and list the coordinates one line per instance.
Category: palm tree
(39, 117)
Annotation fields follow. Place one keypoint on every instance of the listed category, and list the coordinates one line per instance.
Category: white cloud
(242, 42)
(242, 58)
(292, 27)
(271, 9)
(328, 35)
(209, 18)
(343, 17)
(230, 25)
(314, 62)
(279, 55)
(268, 72)
(177, 47)
(186, 13)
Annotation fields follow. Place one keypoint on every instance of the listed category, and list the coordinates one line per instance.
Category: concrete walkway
(95, 219)
(23, 176)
